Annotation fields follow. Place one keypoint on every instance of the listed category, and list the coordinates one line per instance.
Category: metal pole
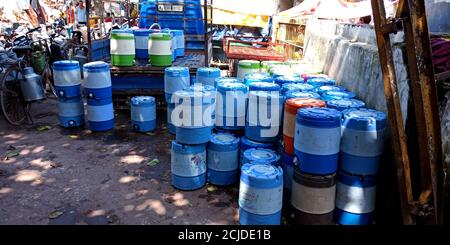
(88, 25)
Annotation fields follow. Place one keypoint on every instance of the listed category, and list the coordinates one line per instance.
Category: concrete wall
(349, 53)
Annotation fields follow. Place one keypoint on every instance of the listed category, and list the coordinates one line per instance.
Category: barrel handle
(154, 24)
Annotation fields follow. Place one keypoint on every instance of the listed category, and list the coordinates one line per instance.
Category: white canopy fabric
(251, 7)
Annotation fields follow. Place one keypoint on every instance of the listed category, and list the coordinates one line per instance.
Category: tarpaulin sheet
(253, 13)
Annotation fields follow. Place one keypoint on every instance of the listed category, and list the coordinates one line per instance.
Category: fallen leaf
(103, 149)
(211, 188)
(11, 154)
(43, 128)
(55, 214)
(150, 133)
(72, 136)
(153, 162)
(55, 165)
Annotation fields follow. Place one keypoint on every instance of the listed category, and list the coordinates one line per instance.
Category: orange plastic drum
(290, 111)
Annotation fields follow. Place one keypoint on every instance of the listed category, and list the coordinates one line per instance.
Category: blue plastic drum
(257, 77)
(67, 77)
(143, 113)
(223, 159)
(71, 112)
(100, 114)
(260, 155)
(336, 95)
(303, 87)
(263, 86)
(188, 166)
(175, 79)
(231, 104)
(344, 104)
(97, 80)
(207, 75)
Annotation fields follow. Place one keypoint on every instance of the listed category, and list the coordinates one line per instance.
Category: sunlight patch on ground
(132, 159)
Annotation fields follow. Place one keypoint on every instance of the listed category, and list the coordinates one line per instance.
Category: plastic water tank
(122, 47)
(175, 78)
(223, 159)
(141, 37)
(188, 166)
(301, 94)
(97, 80)
(326, 88)
(71, 112)
(170, 126)
(260, 155)
(263, 86)
(260, 194)
(257, 77)
(355, 199)
(312, 198)
(263, 119)
(303, 87)
(280, 80)
(363, 137)
(289, 121)
(247, 67)
(231, 104)
(160, 49)
(227, 80)
(344, 104)
(335, 95)
(67, 77)
(317, 139)
(100, 114)
(143, 113)
(207, 75)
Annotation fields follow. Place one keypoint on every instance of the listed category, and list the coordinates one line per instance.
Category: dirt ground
(51, 175)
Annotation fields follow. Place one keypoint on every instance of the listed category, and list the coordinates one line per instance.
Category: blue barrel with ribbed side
(141, 42)
(281, 80)
(317, 139)
(247, 143)
(97, 80)
(170, 126)
(207, 75)
(100, 114)
(344, 104)
(363, 137)
(223, 159)
(71, 112)
(143, 113)
(326, 88)
(175, 78)
(260, 155)
(303, 87)
(67, 77)
(188, 166)
(231, 104)
(263, 120)
(320, 81)
(355, 199)
(260, 194)
(263, 86)
(193, 115)
(337, 95)
(257, 77)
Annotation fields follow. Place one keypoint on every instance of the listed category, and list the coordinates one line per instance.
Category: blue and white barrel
(326, 88)
(337, 95)
(303, 87)
(258, 77)
(173, 40)
(231, 104)
(227, 80)
(175, 78)
(355, 199)
(223, 159)
(320, 81)
(263, 86)
(143, 113)
(67, 77)
(170, 126)
(260, 194)
(363, 136)
(344, 104)
(260, 155)
(179, 42)
(247, 143)
(281, 80)
(97, 80)
(263, 119)
(207, 75)
(141, 43)
(100, 114)
(287, 163)
(193, 115)
(301, 94)
(313, 198)
(188, 166)
(71, 112)
(317, 139)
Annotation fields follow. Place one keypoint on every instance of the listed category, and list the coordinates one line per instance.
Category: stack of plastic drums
(141, 43)
(264, 116)
(223, 159)
(260, 194)
(122, 48)
(207, 75)
(160, 49)
(97, 85)
(344, 104)
(247, 67)
(175, 79)
(67, 77)
(260, 155)
(143, 113)
(362, 145)
(316, 145)
(231, 104)
(257, 77)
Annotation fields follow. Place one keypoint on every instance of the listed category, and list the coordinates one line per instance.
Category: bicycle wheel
(47, 80)
(14, 108)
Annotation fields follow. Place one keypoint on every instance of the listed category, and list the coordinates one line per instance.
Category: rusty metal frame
(424, 98)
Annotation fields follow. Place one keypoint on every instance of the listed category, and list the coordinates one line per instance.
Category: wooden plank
(398, 138)
(424, 97)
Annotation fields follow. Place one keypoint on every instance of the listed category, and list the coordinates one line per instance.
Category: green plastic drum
(159, 49)
(122, 49)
